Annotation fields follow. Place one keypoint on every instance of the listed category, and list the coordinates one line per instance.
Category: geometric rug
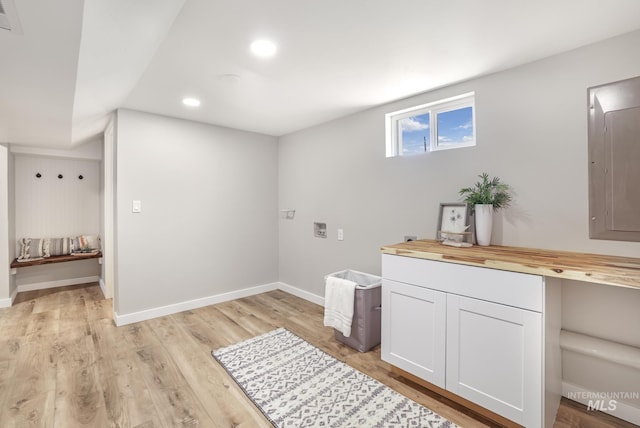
(295, 384)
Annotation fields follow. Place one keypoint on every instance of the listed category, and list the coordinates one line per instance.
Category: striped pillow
(33, 248)
(59, 246)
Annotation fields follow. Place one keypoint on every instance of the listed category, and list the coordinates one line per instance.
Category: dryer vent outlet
(320, 230)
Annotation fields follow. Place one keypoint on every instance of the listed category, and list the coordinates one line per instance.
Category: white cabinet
(411, 312)
(494, 357)
(478, 333)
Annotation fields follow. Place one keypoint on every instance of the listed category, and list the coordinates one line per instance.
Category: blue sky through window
(454, 127)
(416, 137)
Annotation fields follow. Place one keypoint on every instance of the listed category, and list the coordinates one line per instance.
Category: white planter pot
(484, 223)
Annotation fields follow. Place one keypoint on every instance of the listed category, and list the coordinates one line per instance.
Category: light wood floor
(63, 363)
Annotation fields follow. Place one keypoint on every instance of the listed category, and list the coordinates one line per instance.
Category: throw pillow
(33, 248)
(85, 243)
(60, 246)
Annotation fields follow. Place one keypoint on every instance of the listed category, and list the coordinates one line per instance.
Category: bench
(44, 251)
(56, 259)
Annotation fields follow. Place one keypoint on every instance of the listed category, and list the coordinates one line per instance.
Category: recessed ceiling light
(191, 102)
(263, 48)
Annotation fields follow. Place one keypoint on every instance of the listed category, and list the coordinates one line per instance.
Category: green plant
(490, 192)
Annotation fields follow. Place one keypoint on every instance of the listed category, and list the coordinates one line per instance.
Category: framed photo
(453, 217)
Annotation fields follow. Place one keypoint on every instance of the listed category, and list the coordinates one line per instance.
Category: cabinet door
(413, 330)
(494, 357)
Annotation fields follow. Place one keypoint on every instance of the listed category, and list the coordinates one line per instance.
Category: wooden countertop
(601, 269)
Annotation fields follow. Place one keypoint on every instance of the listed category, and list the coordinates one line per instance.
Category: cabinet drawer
(509, 288)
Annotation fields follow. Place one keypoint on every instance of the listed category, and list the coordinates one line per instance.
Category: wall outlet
(408, 238)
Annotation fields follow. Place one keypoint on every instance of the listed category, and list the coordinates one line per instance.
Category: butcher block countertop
(601, 269)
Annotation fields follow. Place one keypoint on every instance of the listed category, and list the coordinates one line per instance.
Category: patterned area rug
(296, 384)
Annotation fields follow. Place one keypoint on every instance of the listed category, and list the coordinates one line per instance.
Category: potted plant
(484, 197)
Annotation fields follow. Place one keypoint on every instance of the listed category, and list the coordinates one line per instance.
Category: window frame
(394, 131)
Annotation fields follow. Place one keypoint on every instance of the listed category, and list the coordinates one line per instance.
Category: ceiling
(67, 65)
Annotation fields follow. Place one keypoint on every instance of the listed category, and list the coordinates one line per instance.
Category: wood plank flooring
(64, 363)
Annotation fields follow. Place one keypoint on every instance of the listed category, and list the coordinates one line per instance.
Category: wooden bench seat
(55, 259)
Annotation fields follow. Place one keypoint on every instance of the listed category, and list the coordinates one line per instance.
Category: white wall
(209, 212)
(12, 222)
(108, 211)
(91, 150)
(531, 131)
(49, 207)
(7, 287)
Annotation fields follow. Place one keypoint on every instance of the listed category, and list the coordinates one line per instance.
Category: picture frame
(452, 217)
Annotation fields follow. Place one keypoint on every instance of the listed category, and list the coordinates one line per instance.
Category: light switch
(136, 206)
(340, 235)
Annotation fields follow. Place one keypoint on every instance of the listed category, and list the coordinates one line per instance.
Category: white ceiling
(74, 62)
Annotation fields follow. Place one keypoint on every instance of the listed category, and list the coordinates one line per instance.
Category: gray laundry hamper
(366, 324)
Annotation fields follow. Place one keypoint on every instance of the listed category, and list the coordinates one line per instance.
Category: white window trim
(393, 135)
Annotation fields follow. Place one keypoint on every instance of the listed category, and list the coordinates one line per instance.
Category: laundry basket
(366, 324)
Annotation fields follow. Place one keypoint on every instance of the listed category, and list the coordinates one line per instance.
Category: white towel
(338, 304)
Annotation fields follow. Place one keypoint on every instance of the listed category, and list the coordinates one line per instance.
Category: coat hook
(80, 177)
(59, 175)
(38, 175)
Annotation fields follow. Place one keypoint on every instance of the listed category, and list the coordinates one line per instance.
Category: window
(442, 125)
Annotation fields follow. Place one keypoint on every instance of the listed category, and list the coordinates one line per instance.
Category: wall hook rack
(60, 176)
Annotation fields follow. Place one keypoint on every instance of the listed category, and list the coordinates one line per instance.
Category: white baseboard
(148, 314)
(8, 302)
(622, 410)
(313, 298)
(103, 287)
(59, 283)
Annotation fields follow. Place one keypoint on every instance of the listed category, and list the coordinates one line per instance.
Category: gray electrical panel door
(614, 161)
